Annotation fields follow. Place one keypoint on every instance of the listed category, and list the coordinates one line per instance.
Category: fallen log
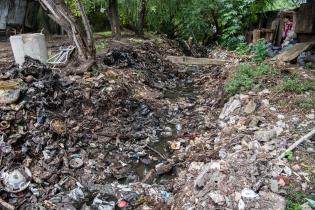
(297, 143)
(195, 61)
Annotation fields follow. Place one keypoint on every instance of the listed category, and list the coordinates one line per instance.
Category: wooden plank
(195, 61)
(293, 52)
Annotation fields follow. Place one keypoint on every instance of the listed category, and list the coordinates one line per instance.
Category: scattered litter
(16, 180)
(248, 193)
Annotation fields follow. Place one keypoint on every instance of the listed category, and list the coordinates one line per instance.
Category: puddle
(184, 90)
(180, 92)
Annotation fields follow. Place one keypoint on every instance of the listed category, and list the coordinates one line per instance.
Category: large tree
(82, 37)
(113, 16)
(141, 17)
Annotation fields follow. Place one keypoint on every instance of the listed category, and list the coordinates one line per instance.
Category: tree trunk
(142, 8)
(62, 15)
(114, 17)
(88, 30)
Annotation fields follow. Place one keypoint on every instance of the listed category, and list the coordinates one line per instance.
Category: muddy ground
(139, 132)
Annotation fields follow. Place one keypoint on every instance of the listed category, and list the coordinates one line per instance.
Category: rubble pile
(244, 171)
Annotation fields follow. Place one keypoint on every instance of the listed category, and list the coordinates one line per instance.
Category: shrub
(242, 49)
(294, 84)
(260, 52)
(245, 77)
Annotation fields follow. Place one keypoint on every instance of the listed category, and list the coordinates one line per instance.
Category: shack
(23, 16)
(270, 24)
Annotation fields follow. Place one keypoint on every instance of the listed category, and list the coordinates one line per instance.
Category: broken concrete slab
(271, 201)
(293, 52)
(195, 61)
(265, 135)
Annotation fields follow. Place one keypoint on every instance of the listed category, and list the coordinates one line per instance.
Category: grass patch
(242, 49)
(296, 85)
(100, 44)
(245, 77)
(306, 103)
(293, 206)
(105, 34)
(296, 199)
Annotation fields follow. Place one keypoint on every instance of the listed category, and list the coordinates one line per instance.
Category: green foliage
(289, 155)
(307, 103)
(242, 49)
(295, 199)
(293, 205)
(105, 34)
(245, 77)
(296, 85)
(100, 45)
(260, 52)
(282, 5)
(89, 5)
(309, 66)
(203, 19)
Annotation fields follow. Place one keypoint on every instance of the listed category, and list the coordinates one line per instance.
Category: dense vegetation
(203, 20)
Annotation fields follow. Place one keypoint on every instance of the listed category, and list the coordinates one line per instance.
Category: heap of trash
(76, 142)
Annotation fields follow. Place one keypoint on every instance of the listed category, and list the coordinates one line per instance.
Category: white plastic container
(32, 45)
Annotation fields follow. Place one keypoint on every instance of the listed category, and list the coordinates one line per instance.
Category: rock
(230, 107)
(205, 175)
(310, 116)
(166, 134)
(265, 102)
(250, 107)
(254, 145)
(265, 135)
(241, 205)
(271, 201)
(237, 196)
(222, 154)
(29, 79)
(274, 186)
(217, 197)
(254, 122)
(248, 193)
(244, 97)
(280, 116)
(304, 186)
(163, 168)
(296, 167)
(196, 166)
(310, 150)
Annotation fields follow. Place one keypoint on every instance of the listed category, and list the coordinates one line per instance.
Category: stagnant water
(184, 90)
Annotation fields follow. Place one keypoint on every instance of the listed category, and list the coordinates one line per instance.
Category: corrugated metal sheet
(12, 12)
(17, 11)
(4, 6)
(305, 18)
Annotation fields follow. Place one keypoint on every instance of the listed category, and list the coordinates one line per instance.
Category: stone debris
(250, 107)
(250, 172)
(265, 135)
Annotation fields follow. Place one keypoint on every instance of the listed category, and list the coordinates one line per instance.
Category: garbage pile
(77, 142)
